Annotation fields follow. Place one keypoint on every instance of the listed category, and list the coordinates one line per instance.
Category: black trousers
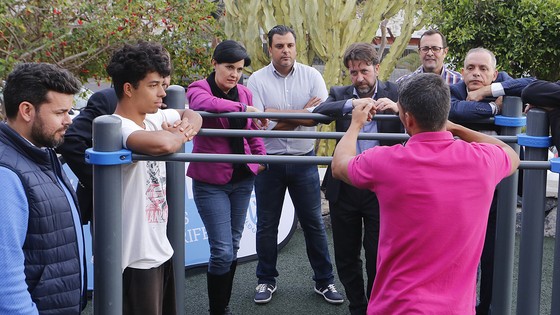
(149, 291)
(355, 211)
(487, 261)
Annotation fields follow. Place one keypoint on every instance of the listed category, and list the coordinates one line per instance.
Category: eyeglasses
(434, 49)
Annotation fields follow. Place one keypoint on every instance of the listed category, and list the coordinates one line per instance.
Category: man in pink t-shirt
(434, 194)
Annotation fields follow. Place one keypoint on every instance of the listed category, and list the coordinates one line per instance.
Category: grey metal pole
(176, 202)
(505, 223)
(532, 226)
(555, 305)
(107, 234)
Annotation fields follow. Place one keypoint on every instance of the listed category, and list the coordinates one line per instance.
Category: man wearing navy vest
(42, 261)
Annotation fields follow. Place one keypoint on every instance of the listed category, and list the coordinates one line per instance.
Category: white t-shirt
(144, 208)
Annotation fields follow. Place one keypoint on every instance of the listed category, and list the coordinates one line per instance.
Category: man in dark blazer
(78, 138)
(352, 209)
(479, 95)
(546, 95)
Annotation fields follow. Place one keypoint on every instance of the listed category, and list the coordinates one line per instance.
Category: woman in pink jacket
(222, 190)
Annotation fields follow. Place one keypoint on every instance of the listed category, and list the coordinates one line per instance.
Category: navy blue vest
(52, 260)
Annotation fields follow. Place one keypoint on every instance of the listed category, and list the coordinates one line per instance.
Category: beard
(41, 138)
(365, 90)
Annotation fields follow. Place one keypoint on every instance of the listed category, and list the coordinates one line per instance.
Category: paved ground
(295, 293)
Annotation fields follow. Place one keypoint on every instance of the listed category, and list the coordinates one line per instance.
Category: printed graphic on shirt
(156, 210)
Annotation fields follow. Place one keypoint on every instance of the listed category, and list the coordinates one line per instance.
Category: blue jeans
(302, 182)
(223, 209)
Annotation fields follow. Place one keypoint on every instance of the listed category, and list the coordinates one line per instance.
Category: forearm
(462, 110)
(154, 143)
(301, 122)
(470, 135)
(344, 152)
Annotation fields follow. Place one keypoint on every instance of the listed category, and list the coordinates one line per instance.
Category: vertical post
(555, 307)
(107, 234)
(532, 226)
(505, 222)
(176, 202)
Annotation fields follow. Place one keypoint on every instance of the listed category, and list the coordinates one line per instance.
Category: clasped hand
(362, 112)
(181, 127)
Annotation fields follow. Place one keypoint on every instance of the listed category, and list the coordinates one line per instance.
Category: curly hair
(31, 82)
(132, 63)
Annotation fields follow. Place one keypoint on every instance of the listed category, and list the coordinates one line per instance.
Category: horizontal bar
(314, 135)
(274, 159)
(318, 117)
(236, 158)
(297, 134)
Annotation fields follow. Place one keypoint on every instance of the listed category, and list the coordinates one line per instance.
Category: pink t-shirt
(434, 197)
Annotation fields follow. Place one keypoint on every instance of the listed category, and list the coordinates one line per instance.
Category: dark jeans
(302, 182)
(355, 211)
(487, 261)
(223, 209)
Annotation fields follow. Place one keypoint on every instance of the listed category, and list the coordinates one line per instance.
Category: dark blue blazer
(338, 95)
(463, 110)
(78, 138)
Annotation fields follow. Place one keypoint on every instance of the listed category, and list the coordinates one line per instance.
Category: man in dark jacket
(478, 96)
(546, 95)
(352, 208)
(41, 240)
(78, 138)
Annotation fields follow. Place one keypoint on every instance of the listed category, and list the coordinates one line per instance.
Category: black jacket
(338, 95)
(78, 138)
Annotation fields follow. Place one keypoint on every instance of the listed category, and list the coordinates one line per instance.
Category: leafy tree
(80, 35)
(324, 29)
(522, 33)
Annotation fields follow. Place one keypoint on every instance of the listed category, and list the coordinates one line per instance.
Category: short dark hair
(280, 30)
(132, 63)
(482, 50)
(433, 32)
(361, 52)
(426, 97)
(31, 82)
(231, 51)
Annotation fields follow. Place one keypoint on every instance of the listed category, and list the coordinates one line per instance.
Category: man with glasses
(432, 50)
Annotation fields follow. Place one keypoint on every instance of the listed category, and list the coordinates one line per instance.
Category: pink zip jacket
(200, 98)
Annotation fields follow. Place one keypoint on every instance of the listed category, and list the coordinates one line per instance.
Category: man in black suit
(78, 138)
(479, 95)
(545, 95)
(353, 209)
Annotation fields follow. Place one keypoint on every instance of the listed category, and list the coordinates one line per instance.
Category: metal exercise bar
(176, 205)
(532, 224)
(317, 117)
(316, 135)
(107, 234)
(277, 159)
(505, 220)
